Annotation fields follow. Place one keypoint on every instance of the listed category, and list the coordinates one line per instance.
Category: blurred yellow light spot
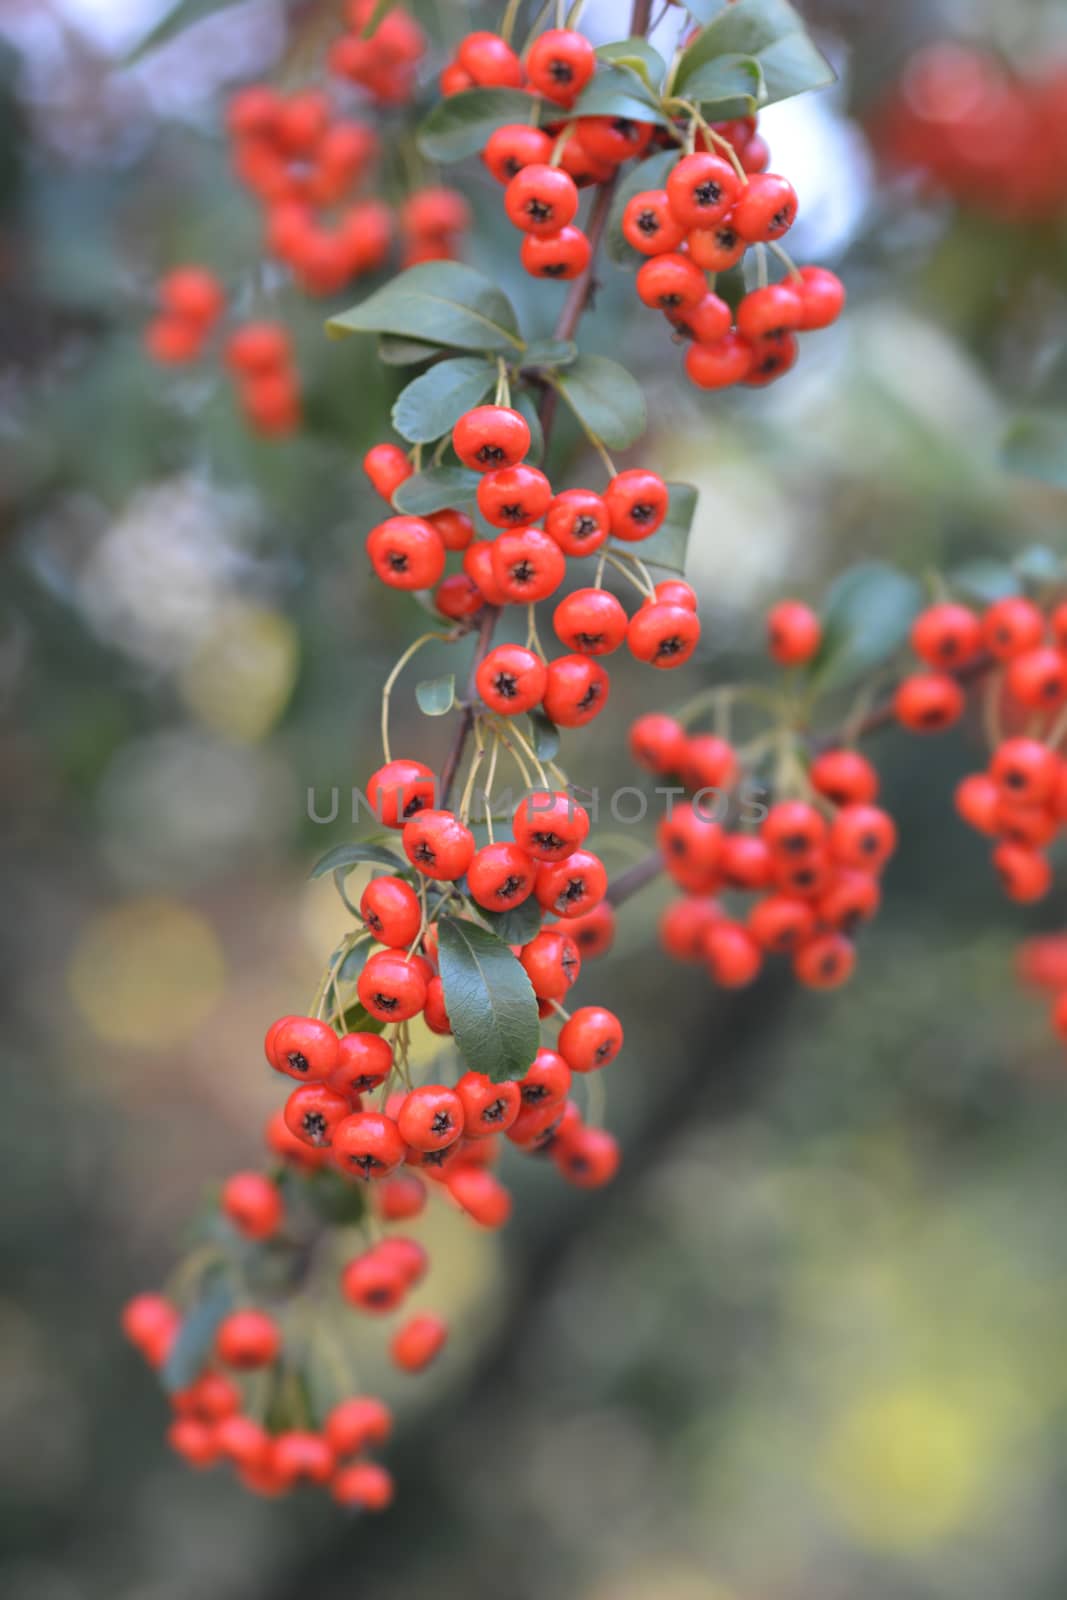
(146, 973)
(904, 1466)
(241, 676)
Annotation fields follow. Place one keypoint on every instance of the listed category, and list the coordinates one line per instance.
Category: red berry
(590, 1039)
(552, 962)
(247, 1339)
(511, 679)
(1037, 679)
(579, 521)
(438, 845)
(431, 1117)
(649, 224)
(720, 365)
(733, 956)
(1025, 770)
(745, 862)
(691, 843)
(862, 836)
(172, 342)
(387, 467)
(637, 503)
(490, 437)
(547, 1081)
(852, 898)
(769, 313)
(192, 294)
(390, 908)
(771, 360)
(716, 249)
(946, 636)
(253, 1204)
(500, 876)
(402, 1197)
(549, 826)
(576, 690)
(313, 1111)
(976, 801)
(514, 146)
(400, 790)
(489, 61)
(416, 1344)
(511, 497)
(792, 829)
(663, 635)
(779, 922)
(825, 962)
(562, 256)
(481, 1195)
(303, 1047)
(571, 887)
(844, 776)
(702, 188)
(528, 565)
(765, 208)
(670, 282)
(928, 702)
(406, 553)
(822, 297)
(391, 986)
(710, 764)
(1024, 873)
(151, 1322)
(361, 1420)
(363, 1485)
(613, 139)
(1012, 626)
(478, 565)
(590, 1159)
(591, 622)
(658, 743)
(541, 199)
(458, 597)
(683, 925)
(368, 1145)
(488, 1107)
(794, 633)
(674, 592)
(560, 63)
(707, 322)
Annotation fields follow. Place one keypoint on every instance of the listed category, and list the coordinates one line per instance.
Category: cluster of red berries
(383, 65)
(713, 207)
(211, 1424)
(1028, 649)
(812, 865)
(191, 301)
(986, 135)
(527, 562)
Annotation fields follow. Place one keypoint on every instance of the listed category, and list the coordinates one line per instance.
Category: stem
(390, 682)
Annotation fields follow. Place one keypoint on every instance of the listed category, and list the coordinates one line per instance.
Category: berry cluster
(211, 1423)
(526, 562)
(383, 65)
(988, 136)
(798, 882)
(191, 301)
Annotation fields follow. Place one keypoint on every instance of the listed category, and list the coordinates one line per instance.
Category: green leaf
(731, 85)
(343, 857)
(1036, 447)
(866, 619)
(669, 545)
(984, 581)
(705, 10)
(525, 403)
(433, 403)
(436, 696)
(489, 999)
(650, 174)
(520, 924)
(435, 490)
(550, 353)
(767, 31)
(545, 736)
(354, 962)
(405, 352)
(441, 301)
(607, 401)
(617, 92)
(460, 126)
(637, 56)
(192, 1348)
(175, 21)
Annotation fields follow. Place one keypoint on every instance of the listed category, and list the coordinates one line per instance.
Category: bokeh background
(810, 1344)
